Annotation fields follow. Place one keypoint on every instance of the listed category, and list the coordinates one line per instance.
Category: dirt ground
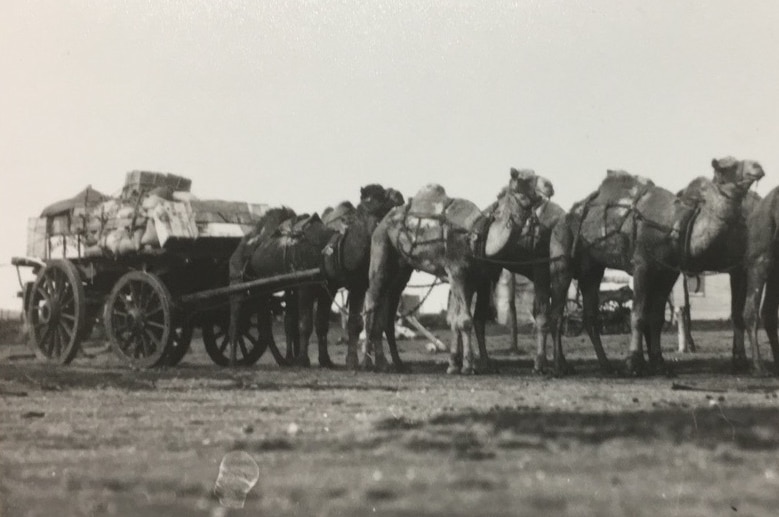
(94, 438)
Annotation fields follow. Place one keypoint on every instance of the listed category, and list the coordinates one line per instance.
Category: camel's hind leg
(354, 325)
(305, 324)
(589, 284)
(398, 284)
(322, 325)
(483, 311)
(738, 296)
(770, 317)
(756, 279)
(643, 283)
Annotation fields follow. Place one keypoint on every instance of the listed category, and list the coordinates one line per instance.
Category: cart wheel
(182, 337)
(138, 319)
(251, 345)
(56, 312)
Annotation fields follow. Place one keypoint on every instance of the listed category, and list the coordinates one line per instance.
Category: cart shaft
(273, 283)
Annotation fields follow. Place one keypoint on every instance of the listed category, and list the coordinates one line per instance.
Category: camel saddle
(431, 213)
(293, 228)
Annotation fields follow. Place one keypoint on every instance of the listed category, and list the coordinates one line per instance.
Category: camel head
(530, 188)
(377, 201)
(516, 204)
(740, 173)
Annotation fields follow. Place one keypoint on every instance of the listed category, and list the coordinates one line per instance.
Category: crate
(139, 182)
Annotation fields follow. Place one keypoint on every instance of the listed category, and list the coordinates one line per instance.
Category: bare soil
(95, 438)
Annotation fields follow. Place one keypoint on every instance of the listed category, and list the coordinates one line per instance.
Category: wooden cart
(151, 298)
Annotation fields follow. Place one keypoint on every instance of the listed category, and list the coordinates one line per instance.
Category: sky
(302, 102)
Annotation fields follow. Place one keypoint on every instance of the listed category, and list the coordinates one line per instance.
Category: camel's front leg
(589, 283)
(459, 316)
(483, 311)
(560, 281)
(662, 282)
(770, 317)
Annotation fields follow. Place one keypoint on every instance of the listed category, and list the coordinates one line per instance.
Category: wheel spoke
(70, 317)
(224, 344)
(67, 331)
(155, 325)
(154, 342)
(242, 344)
(254, 340)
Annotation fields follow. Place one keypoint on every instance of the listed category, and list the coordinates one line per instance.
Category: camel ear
(715, 163)
(362, 191)
(514, 173)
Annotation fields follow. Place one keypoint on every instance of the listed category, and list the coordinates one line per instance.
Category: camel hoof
(367, 364)
(326, 362)
(539, 364)
(452, 369)
(398, 367)
(740, 364)
(302, 361)
(468, 370)
(659, 367)
(487, 367)
(382, 365)
(635, 365)
(352, 363)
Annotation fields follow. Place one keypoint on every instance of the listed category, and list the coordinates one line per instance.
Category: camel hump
(622, 185)
(337, 216)
(431, 199)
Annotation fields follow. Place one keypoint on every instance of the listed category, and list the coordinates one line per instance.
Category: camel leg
(560, 281)
(541, 314)
(642, 285)
(354, 325)
(738, 296)
(399, 282)
(482, 312)
(291, 331)
(305, 324)
(322, 325)
(589, 284)
(662, 285)
(382, 265)
(756, 280)
(459, 316)
(455, 353)
(770, 317)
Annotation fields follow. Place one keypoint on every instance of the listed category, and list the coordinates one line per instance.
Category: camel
(340, 244)
(523, 250)
(347, 258)
(687, 345)
(445, 237)
(762, 275)
(633, 225)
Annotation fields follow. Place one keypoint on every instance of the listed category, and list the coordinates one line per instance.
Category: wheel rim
(138, 319)
(56, 312)
(250, 347)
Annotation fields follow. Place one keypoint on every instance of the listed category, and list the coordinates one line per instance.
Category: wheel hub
(137, 319)
(49, 311)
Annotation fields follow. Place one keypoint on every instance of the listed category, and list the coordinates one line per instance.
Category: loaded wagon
(152, 264)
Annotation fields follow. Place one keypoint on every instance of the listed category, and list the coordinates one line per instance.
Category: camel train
(715, 224)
